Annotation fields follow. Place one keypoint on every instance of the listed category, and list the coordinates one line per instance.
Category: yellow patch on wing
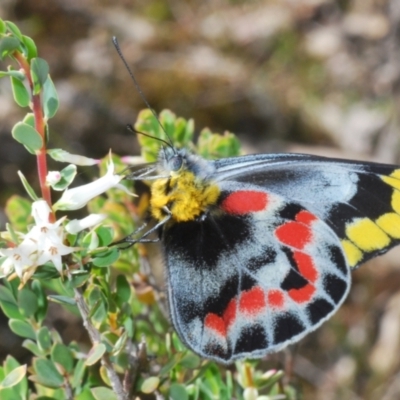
(395, 174)
(366, 235)
(390, 223)
(393, 179)
(184, 195)
(353, 254)
(396, 201)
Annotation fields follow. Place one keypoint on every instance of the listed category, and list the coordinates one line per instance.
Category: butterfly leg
(130, 240)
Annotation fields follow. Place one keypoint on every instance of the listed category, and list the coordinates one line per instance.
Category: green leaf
(46, 373)
(86, 394)
(32, 347)
(62, 355)
(79, 371)
(97, 304)
(28, 187)
(123, 290)
(18, 391)
(20, 92)
(105, 234)
(41, 299)
(104, 375)
(40, 73)
(67, 176)
(178, 345)
(7, 45)
(8, 304)
(91, 241)
(27, 302)
(213, 145)
(29, 119)
(149, 385)
(50, 99)
(16, 74)
(44, 338)
(22, 328)
(10, 364)
(103, 393)
(95, 354)
(268, 379)
(190, 361)
(184, 132)
(46, 272)
(14, 29)
(178, 392)
(3, 27)
(120, 344)
(62, 299)
(7, 295)
(28, 136)
(30, 46)
(78, 278)
(63, 156)
(107, 258)
(173, 361)
(14, 377)
(147, 123)
(53, 397)
(18, 211)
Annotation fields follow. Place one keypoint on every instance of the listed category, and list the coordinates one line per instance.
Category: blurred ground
(315, 76)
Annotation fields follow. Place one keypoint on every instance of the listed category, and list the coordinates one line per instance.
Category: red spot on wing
(230, 313)
(216, 323)
(294, 234)
(303, 294)
(252, 301)
(305, 217)
(245, 201)
(275, 298)
(306, 266)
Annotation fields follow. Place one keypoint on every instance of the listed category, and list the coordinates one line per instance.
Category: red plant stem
(40, 127)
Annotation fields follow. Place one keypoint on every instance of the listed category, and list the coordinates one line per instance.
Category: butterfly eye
(175, 163)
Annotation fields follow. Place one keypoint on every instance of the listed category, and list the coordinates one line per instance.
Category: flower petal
(77, 225)
(78, 197)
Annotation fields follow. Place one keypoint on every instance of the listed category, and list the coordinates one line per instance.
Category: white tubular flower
(76, 198)
(41, 212)
(77, 225)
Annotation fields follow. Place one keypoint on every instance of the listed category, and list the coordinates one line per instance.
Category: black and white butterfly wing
(271, 259)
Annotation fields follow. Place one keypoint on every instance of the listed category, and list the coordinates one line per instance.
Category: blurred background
(311, 76)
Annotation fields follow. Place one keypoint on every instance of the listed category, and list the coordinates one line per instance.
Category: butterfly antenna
(133, 130)
(121, 56)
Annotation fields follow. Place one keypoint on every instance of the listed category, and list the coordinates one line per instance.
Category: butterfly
(259, 249)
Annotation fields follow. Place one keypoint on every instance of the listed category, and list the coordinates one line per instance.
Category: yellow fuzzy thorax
(184, 195)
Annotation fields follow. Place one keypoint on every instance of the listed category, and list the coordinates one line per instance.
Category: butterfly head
(174, 162)
(171, 160)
